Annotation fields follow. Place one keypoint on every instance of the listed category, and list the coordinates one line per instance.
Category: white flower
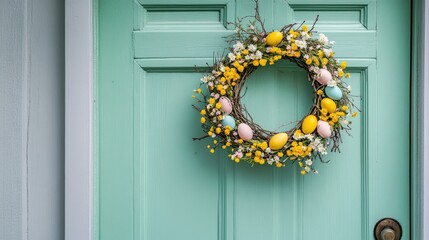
(332, 83)
(205, 79)
(258, 55)
(345, 122)
(332, 42)
(323, 39)
(327, 52)
(255, 39)
(252, 48)
(308, 162)
(349, 88)
(238, 46)
(307, 169)
(268, 150)
(301, 44)
(305, 35)
(231, 57)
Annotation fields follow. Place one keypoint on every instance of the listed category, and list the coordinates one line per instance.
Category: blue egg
(334, 92)
(228, 121)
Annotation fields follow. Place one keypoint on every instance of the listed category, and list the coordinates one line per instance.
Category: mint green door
(154, 183)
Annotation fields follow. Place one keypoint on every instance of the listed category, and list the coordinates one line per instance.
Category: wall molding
(79, 119)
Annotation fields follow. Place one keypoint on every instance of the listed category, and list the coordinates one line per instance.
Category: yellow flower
(331, 123)
(300, 164)
(303, 172)
(245, 52)
(294, 144)
(228, 144)
(347, 75)
(249, 154)
(218, 130)
(279, 164)
(211, 100)
(240, 141)
(212, 150)
(280, 154)
(218, 105)
(324, 61)
(257, 159)
(209, 133)
(343, 65)
(222, 92)
(263, 145)
(297, 54)
(203, 112)
(258, 153)
(227, 131)
(203, 120)
(344, 108)
(354, 114)
(223, 146)
(214, 141)
(323, 118)
(198, 90)
(320, 53)
(294, 47)
(237, 160)
(263, 62)
(319, 92)
(341, 73)
(255, 63)
(193, 96)
(308, 61)
(208, 146)
(238, 56)
(262, 161)
(324, 111)
(304, 28)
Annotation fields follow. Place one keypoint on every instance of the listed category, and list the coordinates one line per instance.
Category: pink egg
(226, 105)
(245, 132)
(323, 129)
(324, 76)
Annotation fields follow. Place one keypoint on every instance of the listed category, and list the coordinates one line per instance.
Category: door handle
(387, 229)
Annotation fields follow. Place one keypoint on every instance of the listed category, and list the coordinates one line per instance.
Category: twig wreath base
(227, 122)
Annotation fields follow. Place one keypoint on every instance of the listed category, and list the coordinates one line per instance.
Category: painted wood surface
(32, 120)
(155, 183)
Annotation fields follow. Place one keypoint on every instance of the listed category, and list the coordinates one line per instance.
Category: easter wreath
(226, 120)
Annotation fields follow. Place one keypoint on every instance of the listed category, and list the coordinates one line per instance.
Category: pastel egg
(228, 121)
(329, 104)
(323, 76)
(226, 105)
(309, 124)
(334, 92)
(278, 141)
(323, 129)
(244, 131)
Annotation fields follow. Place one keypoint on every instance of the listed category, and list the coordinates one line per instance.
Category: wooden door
(155, 183)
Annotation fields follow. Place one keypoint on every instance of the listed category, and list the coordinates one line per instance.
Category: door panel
(154, 182)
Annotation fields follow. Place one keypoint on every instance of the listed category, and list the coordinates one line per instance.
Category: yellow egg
(329, 104)
(309, 124)
(278, 141)
(274, 38)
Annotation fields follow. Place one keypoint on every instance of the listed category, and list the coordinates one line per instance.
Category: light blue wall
(31, 119)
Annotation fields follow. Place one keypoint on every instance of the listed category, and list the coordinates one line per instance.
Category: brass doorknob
(387, 229)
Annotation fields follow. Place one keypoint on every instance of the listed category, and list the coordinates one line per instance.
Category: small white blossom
(307, 169)
(332, 83)
(308, 162)
(305, 35)
(252, 48)
(231, 57)
(258, 55)
(323, 39)
(301, 44)
(349, 88)
(268, 150)
(238, 46)
(327, 52)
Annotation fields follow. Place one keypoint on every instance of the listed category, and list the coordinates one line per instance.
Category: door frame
(80, 68)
